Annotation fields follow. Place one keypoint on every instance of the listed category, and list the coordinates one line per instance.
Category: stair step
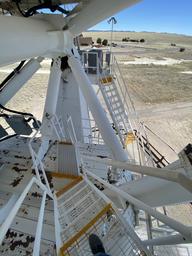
(110, 89)
(83, 218)
(121, 114)
(74, 207)
(106, 80)
(114, 100)
(79, 194)
(118, 111)
(69, 186)
(82, 211)
(83, 230)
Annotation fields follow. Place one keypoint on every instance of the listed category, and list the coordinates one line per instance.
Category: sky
(171, 16)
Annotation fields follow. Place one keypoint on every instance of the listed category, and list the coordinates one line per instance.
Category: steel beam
(97, 111)
(179, 227)
(17, 82)
(23, 39)
(162, 173)
(103, 9)
(167, 240)
(53, 89)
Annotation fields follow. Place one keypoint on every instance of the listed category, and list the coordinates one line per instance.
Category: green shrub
(99, 40)
(105, 42)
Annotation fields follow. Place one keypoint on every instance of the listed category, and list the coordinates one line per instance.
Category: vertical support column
(97, 111)
(53, 88)
(50, 106)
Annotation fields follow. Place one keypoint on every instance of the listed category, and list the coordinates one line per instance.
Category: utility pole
(113, 21)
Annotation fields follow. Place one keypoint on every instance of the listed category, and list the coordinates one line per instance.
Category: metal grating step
(85, 217)
(111, 95)
(107, 225)
(70, 191)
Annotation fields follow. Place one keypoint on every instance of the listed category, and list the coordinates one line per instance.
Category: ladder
(116, 109)
(82, 211)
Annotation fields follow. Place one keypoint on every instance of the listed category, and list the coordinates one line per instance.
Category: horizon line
(108, 30)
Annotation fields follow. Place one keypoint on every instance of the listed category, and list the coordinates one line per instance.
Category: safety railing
(140, 149)
(87, 210)
(144, 146)
(122, 87)
(71, 130)
(10, 217)
(91, 132)
(37, 157)
(183, 233)
(93, 64)
(106, 225)
(58, 127)
(176, 250)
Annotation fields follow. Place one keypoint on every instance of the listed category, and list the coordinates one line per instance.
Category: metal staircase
(113, 93)
(107, 84)
(82, 210)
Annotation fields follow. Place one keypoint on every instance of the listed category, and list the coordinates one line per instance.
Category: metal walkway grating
(82, 211)
(109, 229)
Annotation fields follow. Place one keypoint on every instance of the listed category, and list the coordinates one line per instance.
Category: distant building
(85, 41)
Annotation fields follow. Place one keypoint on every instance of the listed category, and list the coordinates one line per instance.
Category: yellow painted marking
(84, 229)
(69, 186)
(106, 80)
(129, 138)
(61, 175)
(65, 142)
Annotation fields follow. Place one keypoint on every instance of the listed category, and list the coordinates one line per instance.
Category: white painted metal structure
(62, 207)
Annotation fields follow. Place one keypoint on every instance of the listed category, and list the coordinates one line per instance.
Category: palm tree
(113, 21)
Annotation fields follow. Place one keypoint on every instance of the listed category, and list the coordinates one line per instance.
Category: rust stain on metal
(16, 181)
(18, 170)
(16, 240)
(36, 194)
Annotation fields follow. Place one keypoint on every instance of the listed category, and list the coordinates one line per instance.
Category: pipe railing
(163, 173)
(10, 217)
(38, 234)
(37, 161)
(71, 130)
(91, 132)
(129, 105)
(182, 229)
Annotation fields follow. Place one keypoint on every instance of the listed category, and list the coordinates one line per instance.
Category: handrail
(179, 227)
(94, 135)
(163, 173)
(60, 130)
(7, 223)
(125, 87)
(37, 243)
(71, 130)
(37, 162)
